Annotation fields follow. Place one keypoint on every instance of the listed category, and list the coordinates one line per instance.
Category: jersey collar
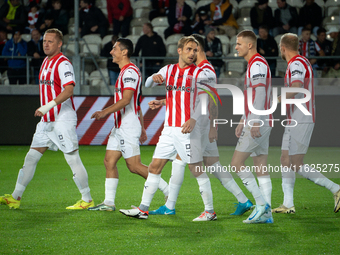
(293, 59)
(203, 62)
(254, 56)
(55, 57)
(185, 67)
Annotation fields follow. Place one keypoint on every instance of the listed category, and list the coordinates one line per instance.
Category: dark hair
(114, 37)
(265, 27)
(321, 30)
(200, 40)
(306, 29)
(126, 44)
(148, 24)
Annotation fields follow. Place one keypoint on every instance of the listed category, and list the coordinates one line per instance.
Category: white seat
(141, 12)
(237, 64)
(106, 39)
(230, 74)
(281, 67)
(234, 3)
(192, 4)
(160, 22)
(243, 21)
(137, 30)
(71, 29)
(138, 22)
(321, 3)
(91, 48)
(141, 4)
(104, 10)
(223, 38)
(92, 38)
(333, 10)
(101, 3)
(233, 39)
(172, 50)
(331, 20)
(272, 4)
(26, 37)
(247, 3)
(133, 38)
(244, 12)
(173, 39)
(332, 3)
(70, 51)
(225, 48)
(160, 31)
(278, 39)
(202, 3)
(295, 3)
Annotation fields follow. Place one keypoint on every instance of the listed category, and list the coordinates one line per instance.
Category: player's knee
(132, 168)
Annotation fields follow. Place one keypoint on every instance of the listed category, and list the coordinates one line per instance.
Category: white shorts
(209, 149)
(56, 135)
(258, 146)
(125, 140)
(173, 141)
(299, 138)
(285, 140)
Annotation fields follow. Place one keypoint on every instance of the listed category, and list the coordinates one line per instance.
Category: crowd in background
(36, 16)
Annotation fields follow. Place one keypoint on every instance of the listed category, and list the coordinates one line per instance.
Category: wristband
(45, 108)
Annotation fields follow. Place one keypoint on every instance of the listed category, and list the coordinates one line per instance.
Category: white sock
(150, 188)
(318, 178)
(206, 193)
(164, 187)
(110, 191)
(288, 182)
(26, 173)
(228, 182)
(265, 185)
(250, 183)
(175, 183)
(79, 174)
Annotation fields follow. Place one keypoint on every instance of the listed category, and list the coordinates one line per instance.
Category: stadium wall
(18, 123)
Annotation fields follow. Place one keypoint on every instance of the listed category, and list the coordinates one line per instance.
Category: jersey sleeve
(258, 74)
(163, 71)
(130, 79)
(66, 74)
(297, 72)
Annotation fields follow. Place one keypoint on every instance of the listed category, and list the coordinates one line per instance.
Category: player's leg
(40, 144)
(80, 178)
(315, 176)
(265, 185)
(135, 166)
(228, 182)
(150, 188)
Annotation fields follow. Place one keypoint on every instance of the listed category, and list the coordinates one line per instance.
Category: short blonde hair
(185, 40)
(290, 41)
(55, 31)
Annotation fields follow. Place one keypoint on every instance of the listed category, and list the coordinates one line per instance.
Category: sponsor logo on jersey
(180, 88)
(46, 82)
(259, 75)
(295, 72)
(68, 73)
(129, 79)
(118, 90)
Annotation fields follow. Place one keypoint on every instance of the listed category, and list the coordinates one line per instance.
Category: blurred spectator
(310, 16)
(48, 23)
(35, 17)
(309, 48)
(261, 14)
(113, 68)
(334, 70)
(221, 17)
(267, 47)
(3, 40)
(67, 5)
(199, 22)
(119, 15)
(35, 49)
(12, 16)
(325, 45)
(91, 19)
(286, 19)
(159, 8)
(60, 16)
(16, 67)
(179, 19)
(151, 45)
(213, 48)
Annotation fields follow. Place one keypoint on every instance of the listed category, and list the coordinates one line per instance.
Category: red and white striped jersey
(258, 74)
(54, 75)
(208, 69)
(129, 78)
(181, 92)
(300, 70)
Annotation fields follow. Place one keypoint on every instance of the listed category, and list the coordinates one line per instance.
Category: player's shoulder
(299, 62)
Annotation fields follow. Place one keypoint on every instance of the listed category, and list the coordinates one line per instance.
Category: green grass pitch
(43, 226)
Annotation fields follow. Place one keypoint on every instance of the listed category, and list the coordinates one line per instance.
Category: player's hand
(212, 134)
(255, 131)
(98, 115)
(157, 78)
(155, 104)
(37, 113)
(94, 28)
(238, 130)
(188, 126)
(143, 137)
